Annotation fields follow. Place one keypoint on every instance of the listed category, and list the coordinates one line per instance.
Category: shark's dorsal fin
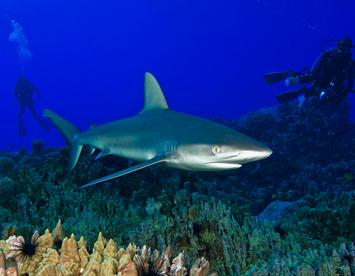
(153, 95)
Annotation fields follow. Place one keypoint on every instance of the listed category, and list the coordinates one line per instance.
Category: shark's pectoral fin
(155, 160)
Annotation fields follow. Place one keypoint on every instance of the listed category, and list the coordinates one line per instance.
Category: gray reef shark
(160, 135)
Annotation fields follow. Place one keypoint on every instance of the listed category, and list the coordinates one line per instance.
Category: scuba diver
(23, 92)
(331, 77)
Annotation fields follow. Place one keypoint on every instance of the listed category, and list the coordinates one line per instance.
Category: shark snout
(262, 154)
(247, 156)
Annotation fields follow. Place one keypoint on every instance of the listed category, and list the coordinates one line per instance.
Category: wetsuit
(331, 70)
(23, 92)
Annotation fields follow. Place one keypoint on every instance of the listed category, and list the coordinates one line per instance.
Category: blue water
(89, 57)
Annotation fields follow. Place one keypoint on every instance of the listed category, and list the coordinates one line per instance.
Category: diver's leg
(33, 111)
(41, 121)
(21, 130)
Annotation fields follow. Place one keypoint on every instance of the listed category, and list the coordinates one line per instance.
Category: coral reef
(207, 216)
(260, 252)
(322, 219)
(73, 258)
(6, 164)
(312, 262)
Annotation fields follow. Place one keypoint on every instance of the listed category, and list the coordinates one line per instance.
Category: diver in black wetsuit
(330, 79)
(23, 92)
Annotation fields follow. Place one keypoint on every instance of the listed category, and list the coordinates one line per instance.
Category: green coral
(7, 188)
(6, 164)
(348, 177)
(323, 219)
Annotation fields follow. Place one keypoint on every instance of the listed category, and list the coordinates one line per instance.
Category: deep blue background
(89, 57)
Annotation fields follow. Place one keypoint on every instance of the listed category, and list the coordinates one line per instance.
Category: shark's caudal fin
(153, 95)
(70, 133)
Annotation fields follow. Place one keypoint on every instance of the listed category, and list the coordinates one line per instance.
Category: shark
(158, 134)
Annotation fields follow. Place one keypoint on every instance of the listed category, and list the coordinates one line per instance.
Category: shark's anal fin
(153, 161)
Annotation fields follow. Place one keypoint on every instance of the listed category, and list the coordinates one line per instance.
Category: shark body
(160, 135)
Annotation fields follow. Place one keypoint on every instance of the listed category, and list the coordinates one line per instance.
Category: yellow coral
(2, 263)
(50, 259)
(49, 270)
(110, 249)
(58, 234)
(4, 246)
(83, 254)
(69, 261)
(129, 270)
(73, 258)
(124, 261)
(110, 264)
(99, 245)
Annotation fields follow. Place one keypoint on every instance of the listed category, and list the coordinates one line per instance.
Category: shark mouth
(224, 165)
(248, 156)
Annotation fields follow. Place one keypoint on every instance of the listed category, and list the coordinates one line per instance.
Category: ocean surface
(88, 58)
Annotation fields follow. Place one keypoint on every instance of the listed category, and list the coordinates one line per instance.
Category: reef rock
(276, 210)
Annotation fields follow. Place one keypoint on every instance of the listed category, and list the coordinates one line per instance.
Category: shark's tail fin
(70, 133)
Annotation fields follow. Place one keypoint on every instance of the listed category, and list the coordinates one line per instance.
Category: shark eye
(216, 150)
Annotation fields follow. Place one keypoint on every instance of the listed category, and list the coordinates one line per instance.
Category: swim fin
(290, 95)
(275, 77)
